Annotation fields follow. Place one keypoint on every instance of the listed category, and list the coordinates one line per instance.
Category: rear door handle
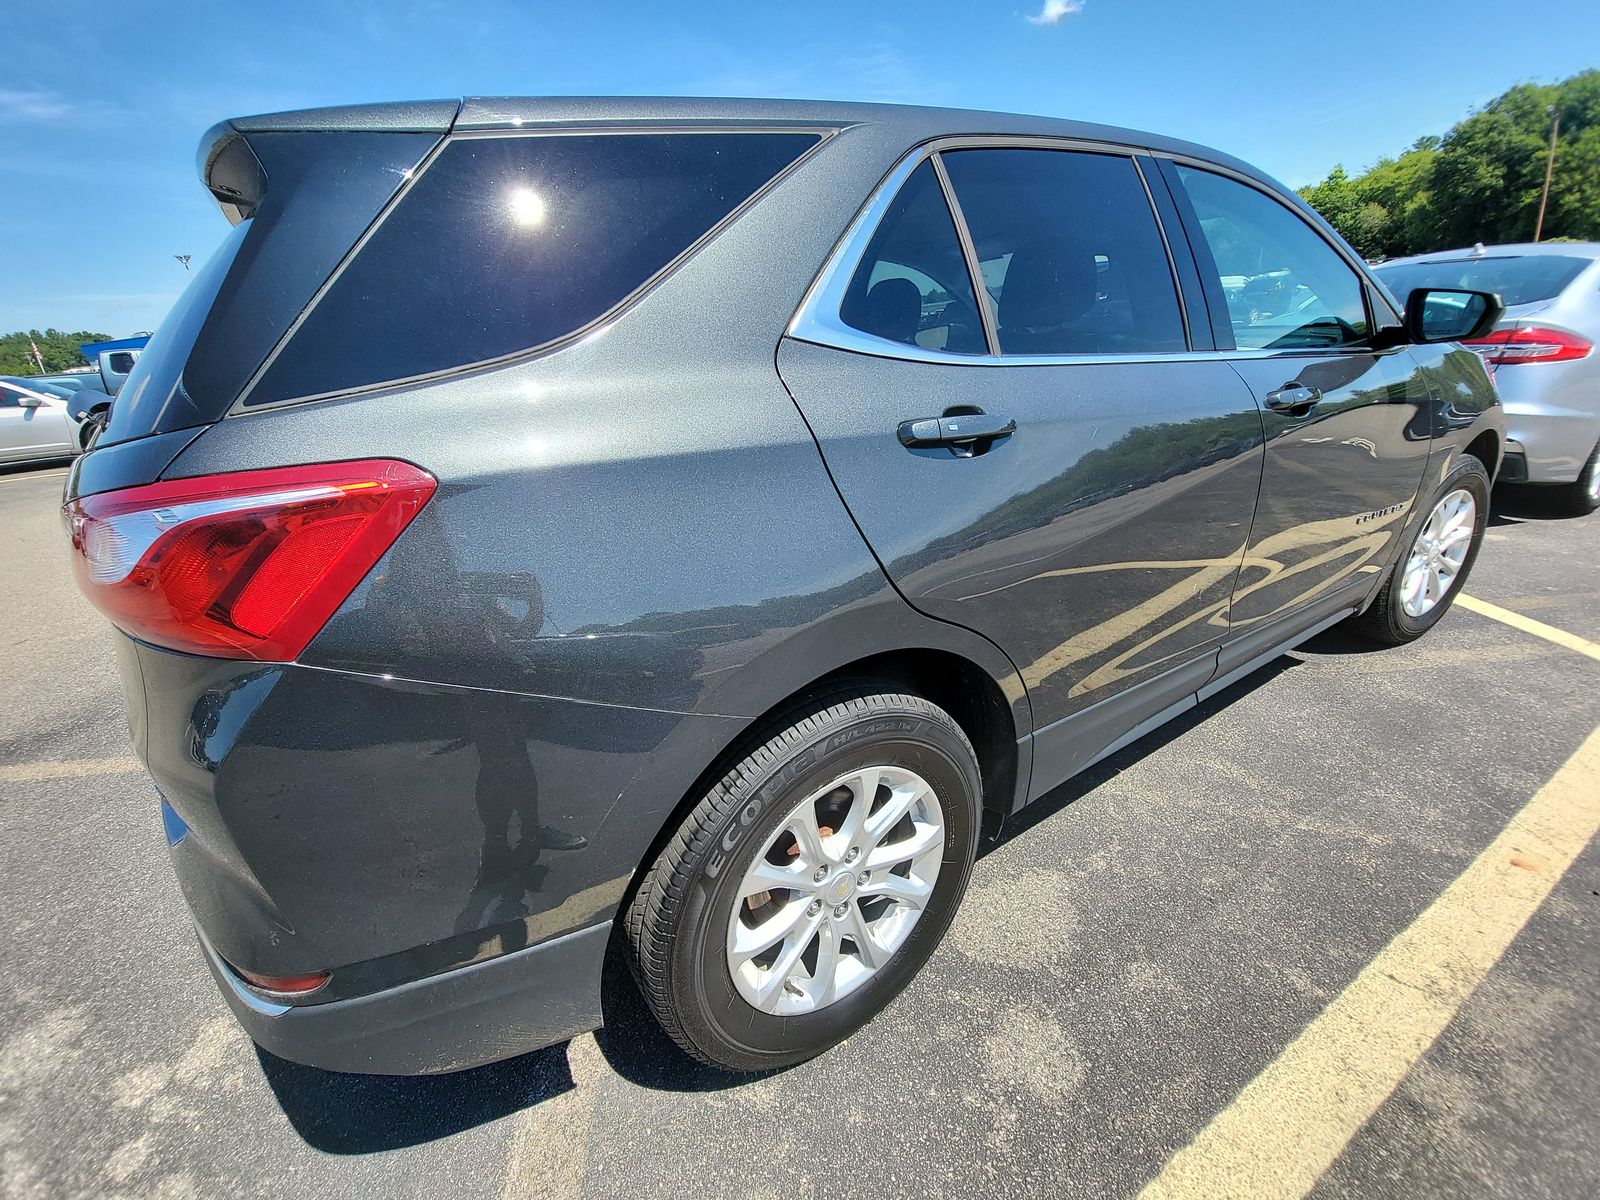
(957, 431)
(1292, 396)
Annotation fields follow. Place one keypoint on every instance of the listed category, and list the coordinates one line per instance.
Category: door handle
(1292, 396)
(956, 431)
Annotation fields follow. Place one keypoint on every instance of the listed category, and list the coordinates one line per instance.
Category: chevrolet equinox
(690, 525)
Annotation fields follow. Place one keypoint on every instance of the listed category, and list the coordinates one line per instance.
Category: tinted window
(1069, 250)
(1520, 280)
(153, 396)
(912, 283)
(508, 243)
(1285, 286)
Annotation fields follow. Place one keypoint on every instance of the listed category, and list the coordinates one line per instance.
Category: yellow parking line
(24, 477)
(1294, 1119)
(38, 772)
(1528, 625)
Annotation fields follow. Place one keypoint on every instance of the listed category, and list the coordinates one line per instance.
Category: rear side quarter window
(505, 244)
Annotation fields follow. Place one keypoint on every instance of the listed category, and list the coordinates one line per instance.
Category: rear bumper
(473, 1015)
(1557, 428)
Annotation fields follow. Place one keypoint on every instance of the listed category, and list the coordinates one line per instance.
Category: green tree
(1481, 181)
(58, 349)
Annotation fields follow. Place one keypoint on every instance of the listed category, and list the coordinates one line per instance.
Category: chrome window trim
(818, 319)
(818, 322)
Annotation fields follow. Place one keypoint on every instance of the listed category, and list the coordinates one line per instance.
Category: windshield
(1522, 279)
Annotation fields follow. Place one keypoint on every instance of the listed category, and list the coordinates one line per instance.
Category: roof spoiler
(232, 174)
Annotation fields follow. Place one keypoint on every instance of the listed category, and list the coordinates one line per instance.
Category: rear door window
(505, 244)
(1286, 288)
(1069, 251)
(912, 284)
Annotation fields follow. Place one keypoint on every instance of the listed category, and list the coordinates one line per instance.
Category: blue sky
(101, 105)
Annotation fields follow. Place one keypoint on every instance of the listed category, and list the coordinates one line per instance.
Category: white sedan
(35, 423)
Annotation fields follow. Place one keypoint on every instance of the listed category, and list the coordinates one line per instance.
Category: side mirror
(26, 401)
(1450, 314)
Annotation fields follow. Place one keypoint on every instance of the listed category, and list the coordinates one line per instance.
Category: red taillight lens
(249, 565)
(1532, 343)
(287, 986)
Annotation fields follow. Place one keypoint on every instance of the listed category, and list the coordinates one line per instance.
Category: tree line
(1481, 181)
(58, 349)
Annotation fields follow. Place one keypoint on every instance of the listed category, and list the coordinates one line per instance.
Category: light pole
(184, 259)
(1549, 169)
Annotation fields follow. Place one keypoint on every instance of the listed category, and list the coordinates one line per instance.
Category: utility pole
(184, 258)
(1549, 169)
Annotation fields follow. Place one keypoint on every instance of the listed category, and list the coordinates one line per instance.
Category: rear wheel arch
(1486, 449)
(969, 692)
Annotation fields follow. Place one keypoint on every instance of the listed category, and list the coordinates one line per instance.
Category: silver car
(1542, 352)
(34, 423)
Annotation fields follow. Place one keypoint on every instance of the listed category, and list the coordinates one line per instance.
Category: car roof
(1507, 250)
(913, 123)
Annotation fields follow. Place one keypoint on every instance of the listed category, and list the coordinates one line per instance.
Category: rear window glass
(153, 397)
(1523, 279)
(1069, 251)
(508, 243)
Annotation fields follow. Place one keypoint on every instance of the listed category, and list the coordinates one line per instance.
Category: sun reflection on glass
(527, 207)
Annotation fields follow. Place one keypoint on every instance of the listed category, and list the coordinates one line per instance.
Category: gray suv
(685, 528)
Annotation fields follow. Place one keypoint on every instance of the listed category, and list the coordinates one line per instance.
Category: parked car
(34, 422)
(686, 526)
(1542, 350)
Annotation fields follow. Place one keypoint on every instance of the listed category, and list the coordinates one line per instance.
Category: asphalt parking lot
(1132, 955)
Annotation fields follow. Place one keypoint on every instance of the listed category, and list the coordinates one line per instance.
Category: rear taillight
(285, 987)
(248, 565)
(1531, 343)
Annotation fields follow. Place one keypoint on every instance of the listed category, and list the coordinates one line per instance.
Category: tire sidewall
(710, 1003)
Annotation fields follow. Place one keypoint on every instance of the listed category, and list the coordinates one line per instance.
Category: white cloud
(1054, 11)
(33, 105)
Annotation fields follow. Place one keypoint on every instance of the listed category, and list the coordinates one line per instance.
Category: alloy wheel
(835, 890)
(1438, 553)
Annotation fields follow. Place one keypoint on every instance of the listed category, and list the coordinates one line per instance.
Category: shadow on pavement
(361, 1114)
(1512, 504)
(1082, 784)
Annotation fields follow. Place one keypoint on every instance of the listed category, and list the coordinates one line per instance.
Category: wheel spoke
(808, 837)
(863, 790)
(859, 931)
(907, 889)
(899, 803)
(924, 837)
(764, 877)
(770, 990)
(747, 941)
(825, 978)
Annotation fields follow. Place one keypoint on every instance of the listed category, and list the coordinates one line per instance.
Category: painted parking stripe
(1284, 1130)
(38, 772)
(1528, 625)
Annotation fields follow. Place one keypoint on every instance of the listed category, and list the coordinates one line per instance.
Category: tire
(1583, 497)
(679, 928)
(1387, 619)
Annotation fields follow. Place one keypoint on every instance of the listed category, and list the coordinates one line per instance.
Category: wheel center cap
(840, 888)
